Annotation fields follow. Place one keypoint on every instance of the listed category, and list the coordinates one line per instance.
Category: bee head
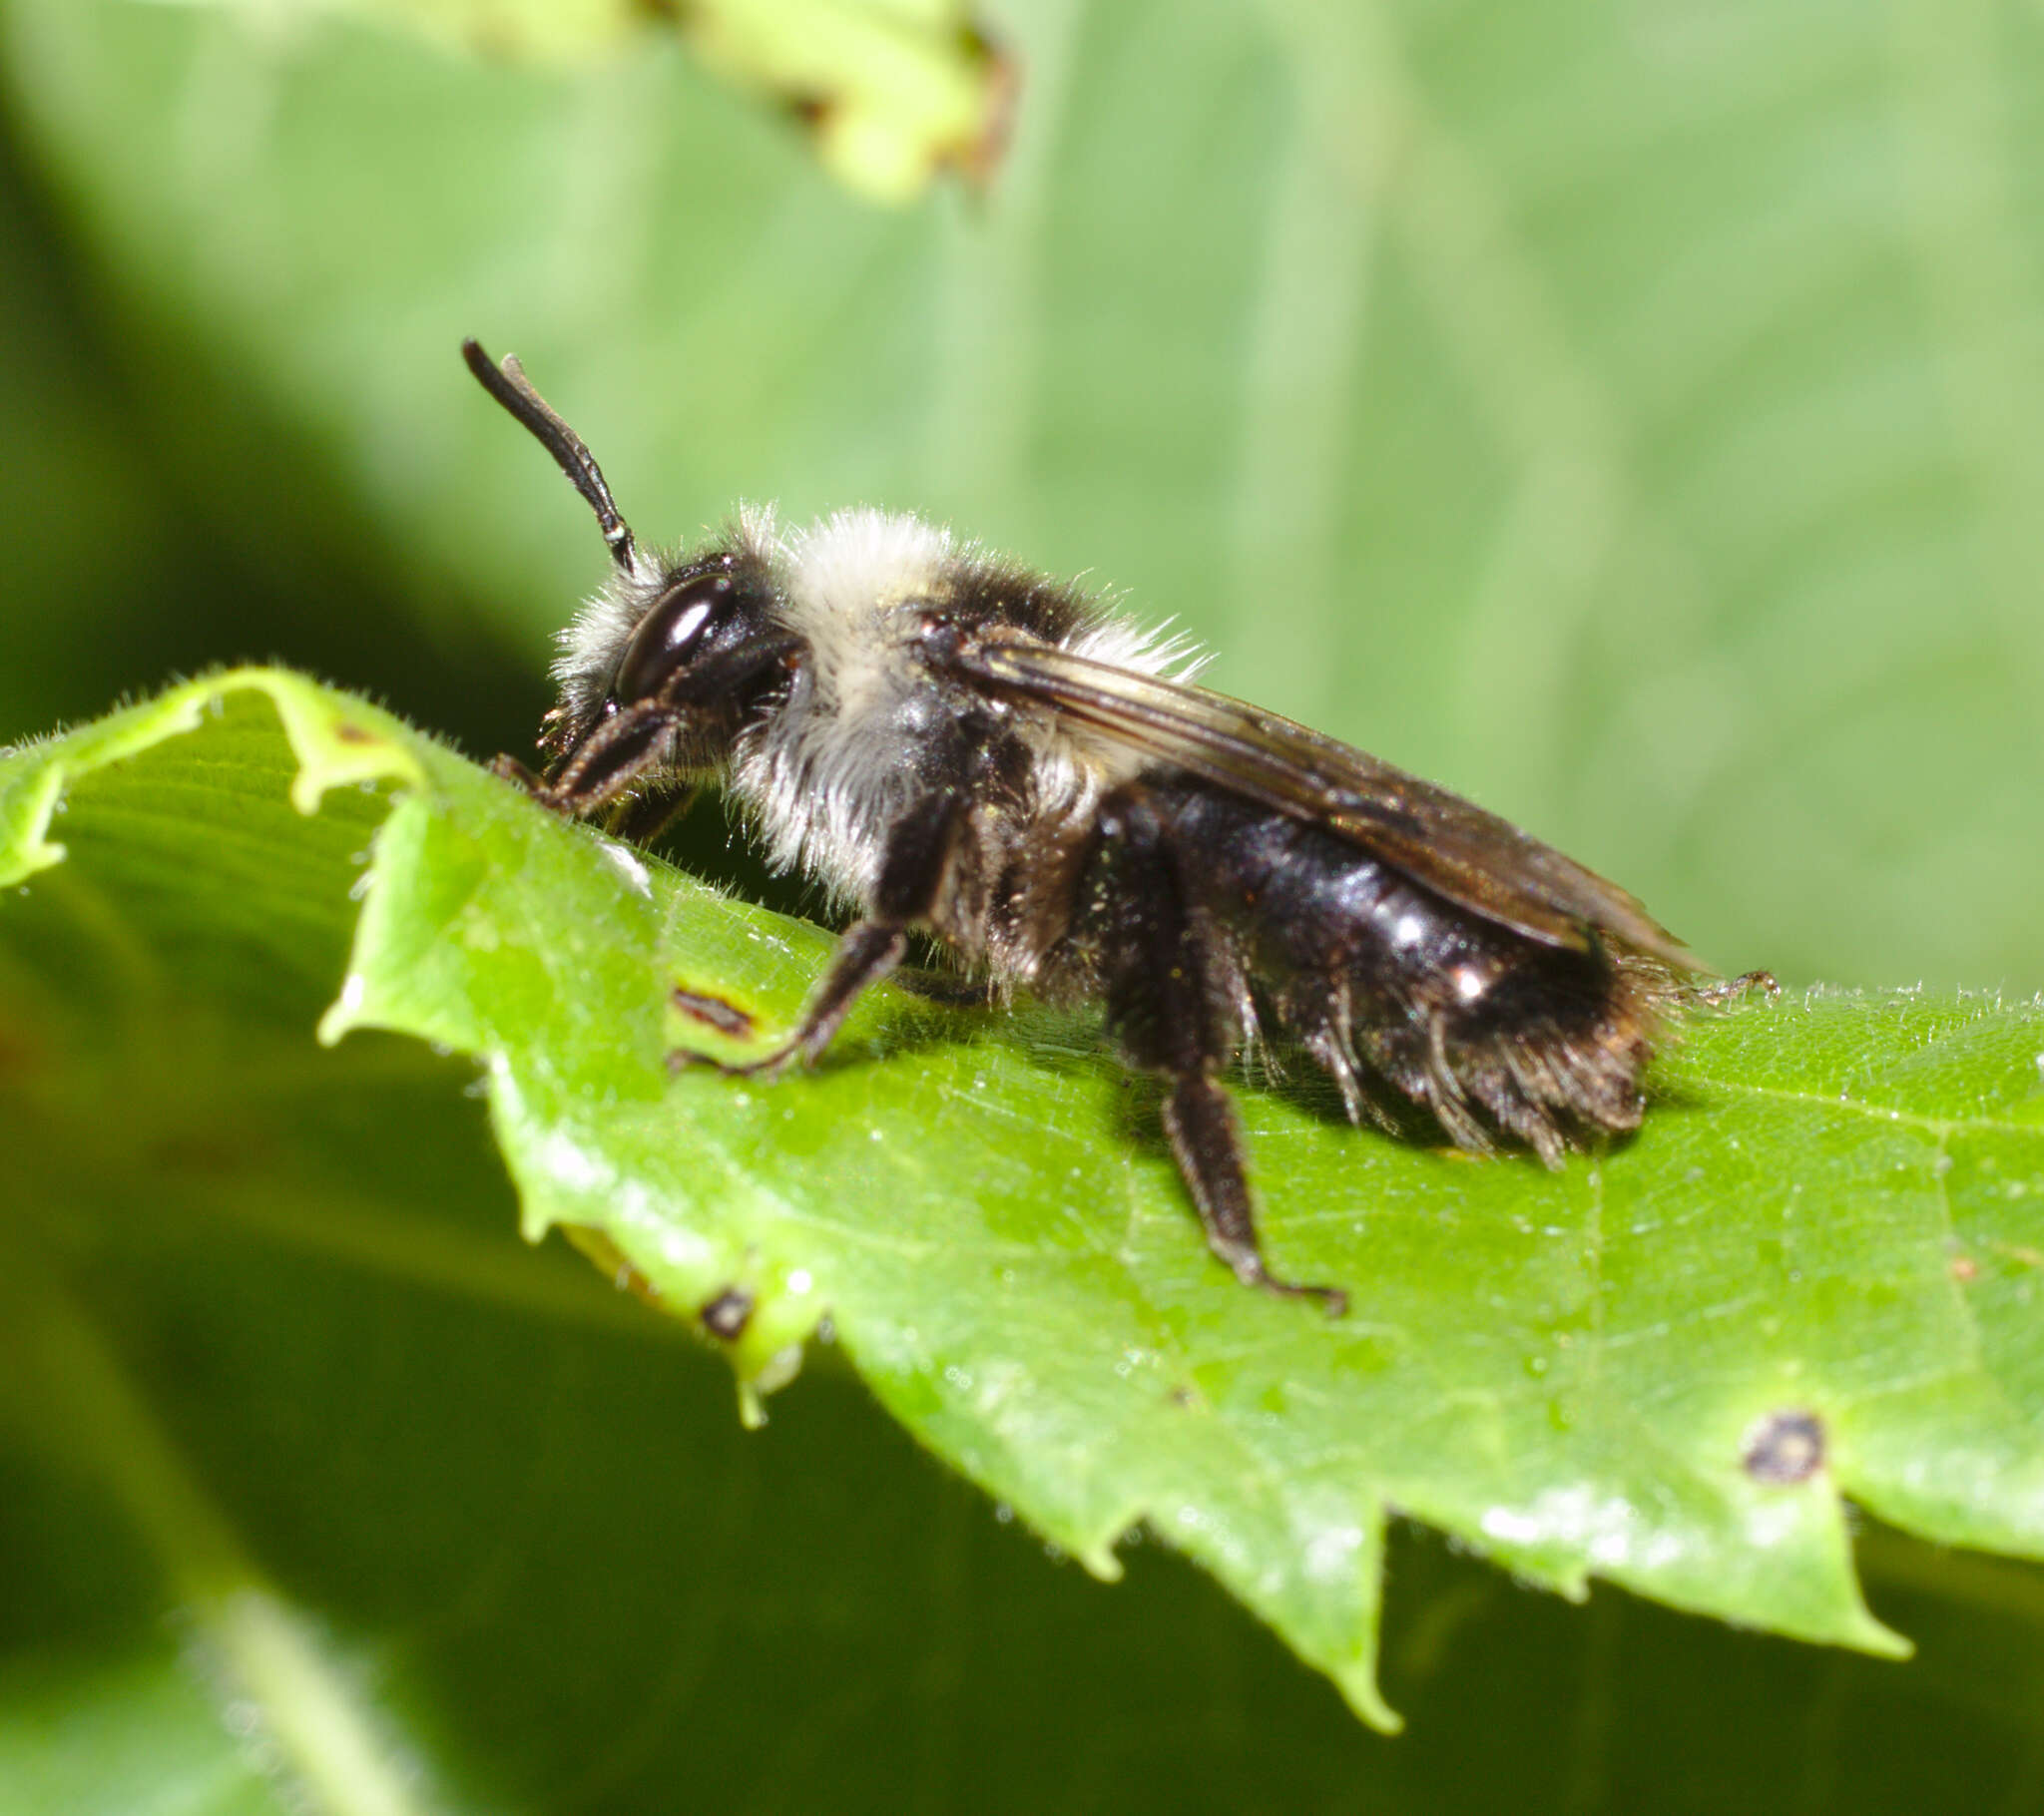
(662, 669)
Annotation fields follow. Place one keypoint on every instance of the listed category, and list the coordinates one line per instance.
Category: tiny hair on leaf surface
(1808, 1278)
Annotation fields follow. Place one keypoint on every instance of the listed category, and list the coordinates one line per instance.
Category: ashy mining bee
(954, 744)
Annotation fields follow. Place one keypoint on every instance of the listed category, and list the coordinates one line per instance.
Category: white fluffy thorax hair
(824, 774)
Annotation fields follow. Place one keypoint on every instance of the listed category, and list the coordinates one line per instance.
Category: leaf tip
(1356, 1679)
(343, 1015)
(335, 742)
(1876, 1638)
(1098, 1560)
(27, 847)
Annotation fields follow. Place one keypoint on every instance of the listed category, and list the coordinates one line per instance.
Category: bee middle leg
(915, 872)
(1164, 1008)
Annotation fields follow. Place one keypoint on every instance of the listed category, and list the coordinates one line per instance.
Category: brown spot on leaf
(348, 733)
(726, 1315)
(1965, 1269)
(712, 1012)
(1785, 1448)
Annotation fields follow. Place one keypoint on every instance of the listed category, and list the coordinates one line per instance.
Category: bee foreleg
(512, 770)
(605, 763)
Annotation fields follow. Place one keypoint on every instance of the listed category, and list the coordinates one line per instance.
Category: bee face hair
(958, 746)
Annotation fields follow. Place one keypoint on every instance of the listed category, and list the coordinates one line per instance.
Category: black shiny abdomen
(1383, 982)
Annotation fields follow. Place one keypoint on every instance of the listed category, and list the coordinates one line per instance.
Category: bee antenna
(508, 384)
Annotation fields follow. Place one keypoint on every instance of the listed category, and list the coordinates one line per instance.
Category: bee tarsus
(1715, 993)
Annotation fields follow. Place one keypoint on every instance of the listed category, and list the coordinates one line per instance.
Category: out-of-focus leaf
(1809, 1275)
(892, 91)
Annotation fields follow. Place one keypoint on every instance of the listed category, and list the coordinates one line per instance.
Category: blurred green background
(1632, 415)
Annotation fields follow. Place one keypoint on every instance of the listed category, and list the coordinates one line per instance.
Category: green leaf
(1809, 1277)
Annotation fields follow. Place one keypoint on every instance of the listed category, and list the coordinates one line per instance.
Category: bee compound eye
(671, 633)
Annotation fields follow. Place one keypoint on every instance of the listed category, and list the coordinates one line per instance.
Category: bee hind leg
(1199, 1119)
(1166, 1010)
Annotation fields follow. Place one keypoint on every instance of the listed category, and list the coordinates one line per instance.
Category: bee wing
(1453, 847)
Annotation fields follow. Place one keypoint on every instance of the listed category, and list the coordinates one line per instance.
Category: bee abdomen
(1391, 987)
(1553, 1052)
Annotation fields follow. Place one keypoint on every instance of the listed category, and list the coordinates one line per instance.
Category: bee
(958, 746)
